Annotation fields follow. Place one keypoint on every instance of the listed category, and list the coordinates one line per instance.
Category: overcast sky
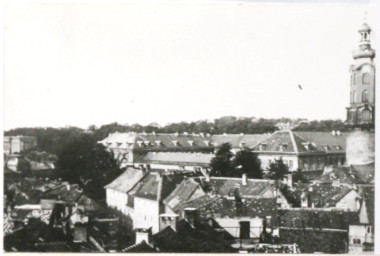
(83, 64)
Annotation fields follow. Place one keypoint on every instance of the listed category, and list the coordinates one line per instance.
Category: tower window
(365, 78)
(354, 78)
(354, 97)
(365, 96)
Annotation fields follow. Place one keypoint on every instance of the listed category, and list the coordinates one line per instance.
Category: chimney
(244, 179)
(191, 216)
(68, 187)
(167, 220)
(143, 234)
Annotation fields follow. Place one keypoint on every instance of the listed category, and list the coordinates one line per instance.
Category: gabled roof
(143, 246)
(156, 186)
(187, 189)
(175, 158)
(322, 139)
(237, 140)
(126, 180)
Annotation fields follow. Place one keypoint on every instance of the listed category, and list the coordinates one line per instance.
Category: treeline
(51, 139)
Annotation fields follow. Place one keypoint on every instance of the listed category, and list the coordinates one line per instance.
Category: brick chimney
(190, 215)
(143, 234)
(167, 220)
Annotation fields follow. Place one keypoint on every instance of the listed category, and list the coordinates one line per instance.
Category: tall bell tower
(361, 113)
(360, 144)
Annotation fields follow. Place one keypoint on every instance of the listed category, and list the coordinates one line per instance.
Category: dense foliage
(221, 164)
(277, 170)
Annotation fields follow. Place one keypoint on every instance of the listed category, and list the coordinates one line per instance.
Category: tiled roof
(224, 186)
(175, 158)
(187, 189)
(156, 186)
(316, 218)
(156, 141)
(64, 192)
(126, 180)
(321, 194)
(287, 141)
(238, 140)
(344, 174)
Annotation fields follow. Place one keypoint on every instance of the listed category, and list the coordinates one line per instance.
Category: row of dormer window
(146, 143)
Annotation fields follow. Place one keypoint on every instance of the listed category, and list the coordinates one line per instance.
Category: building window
(366, 115)
(369, 231)
(290, 163)
(354, 78)
(354, 97)
(365, 78)
(365, 96)
(356, 241)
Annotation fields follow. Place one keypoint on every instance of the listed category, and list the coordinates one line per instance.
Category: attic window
(175, 143)
(262, 146)
(338, 147)
(326, 148)
(118, 144)
(207, 142)
(242, 144)
(146, 143)
(283, 146)
(139, 142)
(191, 142)
(158, 143)
(307, 145)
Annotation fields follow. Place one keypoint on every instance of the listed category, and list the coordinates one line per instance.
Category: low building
(18, 144)
(308, 151)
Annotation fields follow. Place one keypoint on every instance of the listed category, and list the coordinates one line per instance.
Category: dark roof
(366, 172)
(225, 186)
(217, 207)
(126, 180)
(175, 158)
(156, 186)
(183, 192)
(316, 218)
(287, 141)
(238, 140)
(140, 247)
(150, 140)
(368, 195)
(64, 192)
(202, 238)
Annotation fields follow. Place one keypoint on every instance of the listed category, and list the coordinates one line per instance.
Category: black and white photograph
(216, 126)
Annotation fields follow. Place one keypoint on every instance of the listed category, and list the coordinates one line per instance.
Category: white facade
(147, 214)
(118, 200)
(358, 235)
(350, 202)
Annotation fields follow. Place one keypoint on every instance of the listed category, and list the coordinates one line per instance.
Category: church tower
(361, 113)
(360, 144)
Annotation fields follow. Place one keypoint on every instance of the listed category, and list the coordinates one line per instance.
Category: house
(361, 233)
(117, 191)
(341, 175)
(126, 146)
(186, 161)
(18, 144)
(308, 151)
(147, 198)
(316, 229)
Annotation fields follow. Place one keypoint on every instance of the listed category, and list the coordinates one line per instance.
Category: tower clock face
(366, 69)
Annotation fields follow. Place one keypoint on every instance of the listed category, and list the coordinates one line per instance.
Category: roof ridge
(293, 141)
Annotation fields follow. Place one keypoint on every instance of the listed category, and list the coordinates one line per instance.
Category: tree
(82, 161)
(277, 170)
(221, 163)
(247, 162)
(24, 167)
